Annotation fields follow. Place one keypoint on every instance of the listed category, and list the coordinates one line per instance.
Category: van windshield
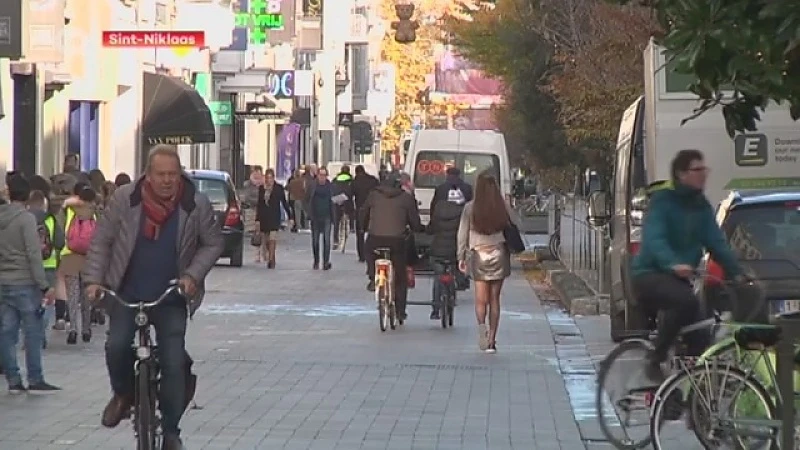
(431, 166)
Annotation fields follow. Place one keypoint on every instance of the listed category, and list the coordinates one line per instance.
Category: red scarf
(157, 210)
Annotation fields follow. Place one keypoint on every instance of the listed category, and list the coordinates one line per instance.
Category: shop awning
(174, 112)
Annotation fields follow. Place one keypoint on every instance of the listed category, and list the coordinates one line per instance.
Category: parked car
(763, 230)
(219, 188)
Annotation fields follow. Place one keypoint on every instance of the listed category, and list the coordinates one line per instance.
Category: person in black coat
(444, 247)
(271, 196)
(363, 185)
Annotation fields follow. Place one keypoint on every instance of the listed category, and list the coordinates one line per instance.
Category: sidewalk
(293, 358)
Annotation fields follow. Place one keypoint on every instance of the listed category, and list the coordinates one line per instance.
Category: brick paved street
(294, 359)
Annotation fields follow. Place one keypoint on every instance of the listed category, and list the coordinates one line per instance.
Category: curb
(578, 299)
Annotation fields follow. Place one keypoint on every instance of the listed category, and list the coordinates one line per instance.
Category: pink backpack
(79, 234)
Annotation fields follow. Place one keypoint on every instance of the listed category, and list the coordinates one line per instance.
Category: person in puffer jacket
(444, 228)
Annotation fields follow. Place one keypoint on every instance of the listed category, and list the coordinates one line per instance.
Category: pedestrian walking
(297, 194)
(342, 186)
(23, 285)
(319, 209)
(51, 240)
(80, 221)
(271, 197)
(483, 253)
(156, 230)
(251, 187)
(122, 179)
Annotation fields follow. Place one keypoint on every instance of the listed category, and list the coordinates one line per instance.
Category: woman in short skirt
(482, 251)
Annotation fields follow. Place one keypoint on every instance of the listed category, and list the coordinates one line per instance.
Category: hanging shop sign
(259, 18)
(280, 84)
(170, 140)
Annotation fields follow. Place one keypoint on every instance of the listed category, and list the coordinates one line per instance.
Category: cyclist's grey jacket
(200, 241)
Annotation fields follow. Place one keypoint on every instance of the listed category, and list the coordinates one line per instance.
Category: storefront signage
(11, 26)
(221, 112)
(171, 140)
(280, 84)
(312, 8)
(259, 18)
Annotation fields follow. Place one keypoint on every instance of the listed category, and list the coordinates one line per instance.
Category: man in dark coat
(363, 184)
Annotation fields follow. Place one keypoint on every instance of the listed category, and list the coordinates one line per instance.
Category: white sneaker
(483, 337)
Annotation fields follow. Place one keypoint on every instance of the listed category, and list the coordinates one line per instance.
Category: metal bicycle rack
(790, 334)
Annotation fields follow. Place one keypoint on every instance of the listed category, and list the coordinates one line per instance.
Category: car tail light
(634, 247)
(446, 278)
(233, 216)
(792, 205)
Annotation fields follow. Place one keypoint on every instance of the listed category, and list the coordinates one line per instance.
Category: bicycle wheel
(392, 316)
(344, 224)
(144, 411)
(380, 295)
(554, 245)
(750, 402)
(443, 312)
(615, 407)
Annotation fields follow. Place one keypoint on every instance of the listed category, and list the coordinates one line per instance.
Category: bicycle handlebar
(174, 287)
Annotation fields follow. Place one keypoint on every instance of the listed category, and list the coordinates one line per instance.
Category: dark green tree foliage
(503, 43)
(751, 46)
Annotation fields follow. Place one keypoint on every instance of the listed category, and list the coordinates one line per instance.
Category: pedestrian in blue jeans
(319, 206)
(23, 286)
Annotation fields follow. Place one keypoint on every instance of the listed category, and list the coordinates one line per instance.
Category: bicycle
(758, 400)
(447, 293)
(344, 230)
(146, 419)
(640, 399)
(384, 289)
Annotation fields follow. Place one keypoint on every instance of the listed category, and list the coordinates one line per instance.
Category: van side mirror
(599, 213)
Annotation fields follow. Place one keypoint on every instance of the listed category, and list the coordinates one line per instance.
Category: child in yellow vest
(51, 238)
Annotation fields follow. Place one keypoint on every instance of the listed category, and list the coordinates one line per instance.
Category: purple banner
(288, 151)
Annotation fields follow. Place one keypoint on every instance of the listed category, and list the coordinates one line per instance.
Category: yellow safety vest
(50, 226)
(70, 214)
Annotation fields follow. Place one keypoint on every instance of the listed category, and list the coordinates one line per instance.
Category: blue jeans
(19, 306)
(169, 320)
(321, 227)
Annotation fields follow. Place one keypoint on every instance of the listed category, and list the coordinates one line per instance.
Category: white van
(432, 152)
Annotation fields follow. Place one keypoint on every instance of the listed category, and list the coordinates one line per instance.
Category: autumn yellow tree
(413, 62)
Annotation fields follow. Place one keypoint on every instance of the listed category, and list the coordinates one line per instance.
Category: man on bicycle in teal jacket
(679, 225)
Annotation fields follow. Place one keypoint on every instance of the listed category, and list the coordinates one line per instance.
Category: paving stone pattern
(293, 359)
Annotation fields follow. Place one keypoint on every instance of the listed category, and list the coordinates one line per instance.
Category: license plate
(785, 306)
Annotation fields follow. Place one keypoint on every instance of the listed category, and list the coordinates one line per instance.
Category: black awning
(174, 112)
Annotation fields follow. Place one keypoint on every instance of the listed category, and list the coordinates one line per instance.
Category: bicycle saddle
(766, 335)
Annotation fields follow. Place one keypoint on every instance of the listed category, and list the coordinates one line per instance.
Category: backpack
(45, 241)
(79, 234)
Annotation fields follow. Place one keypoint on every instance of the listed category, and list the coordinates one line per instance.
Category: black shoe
(371, 286)
(72, 338)
(401, 317)
(362, 260)
(18, 388)
(673, 406)
(101, 318)
(86, 337)
(315, 266)
(43, 388)
(327, 266)
(172, 442)
(435, 315)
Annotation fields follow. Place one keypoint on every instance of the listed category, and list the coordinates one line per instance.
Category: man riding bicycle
(153, 231)
(445, 220)
(679, 225)
(387, 215)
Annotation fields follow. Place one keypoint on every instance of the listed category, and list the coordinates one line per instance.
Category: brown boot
(118, 408)
(271, 250)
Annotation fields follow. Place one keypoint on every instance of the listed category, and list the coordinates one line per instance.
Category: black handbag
(513, 238)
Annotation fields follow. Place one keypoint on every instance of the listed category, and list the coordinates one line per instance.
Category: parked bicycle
(384, 289)
(146, 418)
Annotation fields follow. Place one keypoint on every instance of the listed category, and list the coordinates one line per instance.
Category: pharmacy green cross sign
(259, 18)
(221, 112)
